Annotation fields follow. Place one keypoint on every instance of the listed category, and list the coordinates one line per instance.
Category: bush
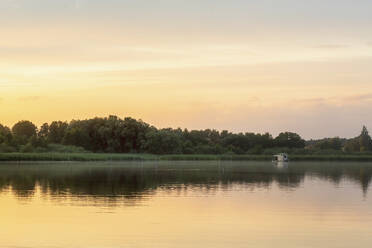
(257, 149)
(27, 148)
(4, 148)
(40, 150)
(65, 149)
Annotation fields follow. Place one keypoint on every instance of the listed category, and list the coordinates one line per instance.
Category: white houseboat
(281, 157)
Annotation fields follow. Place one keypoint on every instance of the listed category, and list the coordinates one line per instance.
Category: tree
(44, 131)
(5, 135)
(163, 141)
(359, 144)
(23, 131)
(77, 135)
(57, 131)
(290, 140)
(352, 145)
(328, 144)
(365, 143)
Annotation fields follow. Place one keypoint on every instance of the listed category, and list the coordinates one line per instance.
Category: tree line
(115, 135)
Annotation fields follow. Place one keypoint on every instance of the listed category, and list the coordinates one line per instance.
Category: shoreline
(8, 157)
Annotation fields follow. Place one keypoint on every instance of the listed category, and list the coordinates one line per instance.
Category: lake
(185, 204)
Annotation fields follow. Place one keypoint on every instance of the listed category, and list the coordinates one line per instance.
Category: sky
(241, 65)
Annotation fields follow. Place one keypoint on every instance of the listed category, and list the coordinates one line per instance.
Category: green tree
(44, 131)
(5, 135)
(56, 132)
(352, 145)
(77, 135)
(328, 144)
(290, 140)
(359, 144)
(365, 143)
(163, 141)
(23, 131)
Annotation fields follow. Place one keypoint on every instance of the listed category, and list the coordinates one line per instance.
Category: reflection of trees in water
(360, 173)
(109, 183)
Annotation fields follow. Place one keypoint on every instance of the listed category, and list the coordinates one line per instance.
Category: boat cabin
(281, 157)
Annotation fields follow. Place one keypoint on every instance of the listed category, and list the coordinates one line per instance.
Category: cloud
(317, 100)
(331, 46)
(359, 98)
(332, 100)
(29, 98)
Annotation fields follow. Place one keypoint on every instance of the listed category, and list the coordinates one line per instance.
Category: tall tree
(365, 143)
(5, 134)
(57, 131)
(44, 131)
(23, 131)
(288, 139)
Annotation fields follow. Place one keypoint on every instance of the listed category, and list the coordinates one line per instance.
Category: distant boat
(281, 157)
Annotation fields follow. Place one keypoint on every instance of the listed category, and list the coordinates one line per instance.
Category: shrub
(27, 148)
(4, 148)
(65, 149)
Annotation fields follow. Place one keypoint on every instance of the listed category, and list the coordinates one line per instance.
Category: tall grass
(58, 156)
(73, 157)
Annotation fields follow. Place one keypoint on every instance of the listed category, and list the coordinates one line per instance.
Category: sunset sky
(241, 65)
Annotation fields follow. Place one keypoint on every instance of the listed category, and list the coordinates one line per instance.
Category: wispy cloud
(317, 100)
(359, 98)
(332, 101)
(29, 98)
(332, 46)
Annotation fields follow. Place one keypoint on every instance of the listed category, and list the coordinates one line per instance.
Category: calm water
(185, 204)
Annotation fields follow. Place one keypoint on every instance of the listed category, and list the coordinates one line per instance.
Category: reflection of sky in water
(207, 204)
